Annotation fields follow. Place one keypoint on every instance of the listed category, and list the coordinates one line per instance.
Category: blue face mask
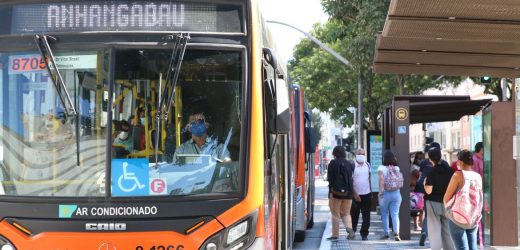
(142, 120)
(198, 128)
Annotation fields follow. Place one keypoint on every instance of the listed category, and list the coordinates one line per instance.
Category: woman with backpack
(390, 183)
(341, 192)
(435, 186)
(463, 201)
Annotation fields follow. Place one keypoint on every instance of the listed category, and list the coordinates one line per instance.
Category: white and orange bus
(303, 154)
(146, 125)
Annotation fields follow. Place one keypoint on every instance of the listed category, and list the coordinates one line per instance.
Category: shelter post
(400, 147)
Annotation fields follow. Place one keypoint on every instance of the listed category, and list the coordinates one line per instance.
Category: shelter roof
(446, 37)
(425, 109)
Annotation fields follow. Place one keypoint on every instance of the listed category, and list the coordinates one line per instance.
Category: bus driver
(200, 142)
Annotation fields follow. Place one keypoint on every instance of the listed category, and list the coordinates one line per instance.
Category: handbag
(416, 201)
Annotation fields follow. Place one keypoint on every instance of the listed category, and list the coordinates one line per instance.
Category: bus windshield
(44, 152)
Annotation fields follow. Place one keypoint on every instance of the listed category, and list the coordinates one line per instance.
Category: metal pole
(361, 82)
(355, 126)
(316, 41)
(344, 61)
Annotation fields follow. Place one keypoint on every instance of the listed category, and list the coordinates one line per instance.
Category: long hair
(389, 158)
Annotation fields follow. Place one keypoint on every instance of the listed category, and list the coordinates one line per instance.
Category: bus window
(199, 139)
(44, 152)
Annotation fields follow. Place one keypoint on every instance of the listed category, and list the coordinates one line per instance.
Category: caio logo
(105, 226)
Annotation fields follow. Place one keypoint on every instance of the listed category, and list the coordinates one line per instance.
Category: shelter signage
(401, 114)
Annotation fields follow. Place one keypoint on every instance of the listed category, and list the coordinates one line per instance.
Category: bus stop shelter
(406, 110)
(458, 38)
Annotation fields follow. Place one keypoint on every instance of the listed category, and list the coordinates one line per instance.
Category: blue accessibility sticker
(66, 211)
(130, 177)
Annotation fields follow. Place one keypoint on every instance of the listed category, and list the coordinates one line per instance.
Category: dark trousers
(364, 207)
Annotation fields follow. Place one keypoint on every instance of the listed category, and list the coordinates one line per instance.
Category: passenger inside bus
(123, 144)
(200, 143)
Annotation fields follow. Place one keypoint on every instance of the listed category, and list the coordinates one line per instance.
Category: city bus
(303, 146)
(144, 125)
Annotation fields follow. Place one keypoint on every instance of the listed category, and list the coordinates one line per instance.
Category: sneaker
(332, 238)
(422, 239)
(397, 238)
(351, 234)
(385, 237)
(364, 238)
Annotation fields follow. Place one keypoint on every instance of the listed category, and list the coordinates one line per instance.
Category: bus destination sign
(112, 15)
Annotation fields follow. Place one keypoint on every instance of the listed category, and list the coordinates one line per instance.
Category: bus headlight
(5, 244)
(236, 237)
(237, 232)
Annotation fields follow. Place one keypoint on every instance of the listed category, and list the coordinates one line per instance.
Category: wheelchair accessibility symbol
(130, 177)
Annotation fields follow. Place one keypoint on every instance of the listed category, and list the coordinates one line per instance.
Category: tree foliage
(332, 86)
(317, 123)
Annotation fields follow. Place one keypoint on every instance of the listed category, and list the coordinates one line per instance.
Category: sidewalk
(373, 242)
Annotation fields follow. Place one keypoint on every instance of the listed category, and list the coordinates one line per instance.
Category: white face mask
(361, 158)
(123, 135)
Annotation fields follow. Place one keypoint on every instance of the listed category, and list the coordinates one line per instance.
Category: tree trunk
(400, 81)
(361, 119)
(373, 122)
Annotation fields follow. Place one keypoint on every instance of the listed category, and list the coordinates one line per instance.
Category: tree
(317, 123)
(331, 86)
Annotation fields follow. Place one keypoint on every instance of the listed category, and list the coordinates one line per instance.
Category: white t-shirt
(361, 178)
(384, 169)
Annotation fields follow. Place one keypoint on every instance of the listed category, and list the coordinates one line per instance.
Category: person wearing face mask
(362, 193)
(435, 186)
(200, 142)
(123, 140)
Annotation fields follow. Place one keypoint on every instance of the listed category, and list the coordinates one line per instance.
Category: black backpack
(342, 184)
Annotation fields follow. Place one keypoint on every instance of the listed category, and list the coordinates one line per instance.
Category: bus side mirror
(283, 117)
(310, 145)
(276, 94)
(270, 58)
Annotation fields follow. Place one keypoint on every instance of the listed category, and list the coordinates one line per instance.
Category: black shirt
(339, 175)
(439, 178)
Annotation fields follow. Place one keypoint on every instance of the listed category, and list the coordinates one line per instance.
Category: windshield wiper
(59, 84)
(179, 48)
(180, 42)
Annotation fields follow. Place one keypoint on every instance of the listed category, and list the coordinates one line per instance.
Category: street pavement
(316, 238)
